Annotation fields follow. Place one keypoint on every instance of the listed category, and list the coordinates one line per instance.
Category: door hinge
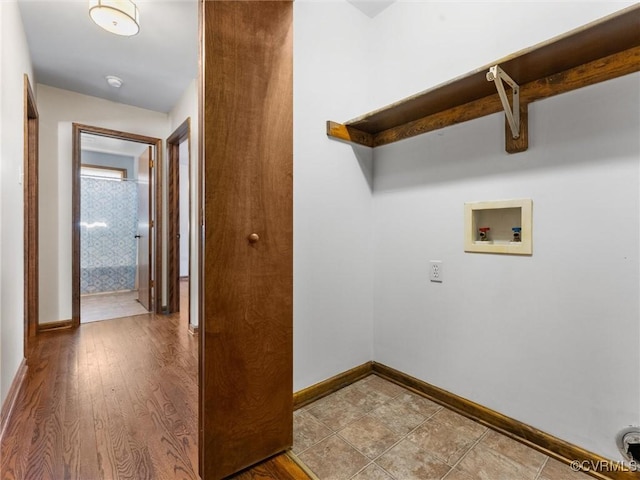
(151, 223)
(152, 283)
(151, 164)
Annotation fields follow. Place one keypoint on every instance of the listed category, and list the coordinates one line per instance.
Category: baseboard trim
(12, 396)
(543, 442)
(59, 325)
(193, 329)
(326, 387)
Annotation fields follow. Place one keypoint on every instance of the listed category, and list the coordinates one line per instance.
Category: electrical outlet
(435, 271)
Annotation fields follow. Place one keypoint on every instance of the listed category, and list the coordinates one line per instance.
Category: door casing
(79, 129)
(31, 219)
(180, 135)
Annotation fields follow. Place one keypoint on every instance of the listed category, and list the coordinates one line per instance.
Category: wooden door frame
(181, 134)
(78, 129)
(31, 219)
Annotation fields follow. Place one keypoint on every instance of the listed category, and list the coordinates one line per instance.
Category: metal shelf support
(497, 76)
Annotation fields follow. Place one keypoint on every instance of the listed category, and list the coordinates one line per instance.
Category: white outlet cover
(435, 271)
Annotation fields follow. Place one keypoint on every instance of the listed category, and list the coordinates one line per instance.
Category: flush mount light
(116, 16)
(113, 81)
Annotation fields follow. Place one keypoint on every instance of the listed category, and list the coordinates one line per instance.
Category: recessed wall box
(503, 218)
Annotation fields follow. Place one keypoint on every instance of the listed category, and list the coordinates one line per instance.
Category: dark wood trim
(600, 51)
(12, 396)
(157, 224)
(333, 384)
(349, 134)
(31, 217)
(200, 229)
(608, 68)
(173, 227)
(193, 329)
(59, 325)
(181, 134)
(156, 274)
(526, 434)
(520, 144)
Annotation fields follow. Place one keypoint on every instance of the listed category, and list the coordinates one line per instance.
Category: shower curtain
(108, 225)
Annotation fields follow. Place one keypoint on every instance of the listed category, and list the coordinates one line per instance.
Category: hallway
(111, 399)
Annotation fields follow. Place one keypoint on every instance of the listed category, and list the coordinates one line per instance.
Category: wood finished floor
(115, 399)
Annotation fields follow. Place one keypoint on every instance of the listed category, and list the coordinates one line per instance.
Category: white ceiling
(371, 8)
(69, 51)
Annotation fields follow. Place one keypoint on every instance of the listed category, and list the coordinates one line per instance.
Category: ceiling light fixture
(116, 16)
(113, 81)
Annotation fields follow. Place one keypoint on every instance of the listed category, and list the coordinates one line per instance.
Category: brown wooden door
(246, 385)
(144, 228)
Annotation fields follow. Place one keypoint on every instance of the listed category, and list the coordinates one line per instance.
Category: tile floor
(376, 430)
(105, 306)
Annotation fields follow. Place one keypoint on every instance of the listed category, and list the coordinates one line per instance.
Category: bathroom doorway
(114, 210)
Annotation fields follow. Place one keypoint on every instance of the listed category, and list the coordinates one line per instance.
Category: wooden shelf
(605, 49)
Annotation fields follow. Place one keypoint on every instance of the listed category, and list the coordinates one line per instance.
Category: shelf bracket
(497, 76)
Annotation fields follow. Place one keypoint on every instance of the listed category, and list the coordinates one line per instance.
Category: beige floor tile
(455, 419)
(398, 417)
(516, 451)
(335, 412)
(456, 474)
(307, 431)
(406, 461)
(333, 459)
(362, 395)
(427, 435)
(484, 463)
(419, 404)
(384, 386)
(370, 436)
(555, 470)
(107, 306)
(372, 472)
(448, 441)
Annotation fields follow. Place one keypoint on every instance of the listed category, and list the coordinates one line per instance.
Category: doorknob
(253, 238)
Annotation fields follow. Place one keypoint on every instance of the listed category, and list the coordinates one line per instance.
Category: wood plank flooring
(116, 399)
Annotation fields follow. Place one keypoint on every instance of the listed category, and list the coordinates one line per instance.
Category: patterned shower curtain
(108, 225)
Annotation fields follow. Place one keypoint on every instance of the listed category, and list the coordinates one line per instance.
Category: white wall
(184, 209)
(187, 107)
(333, 290)
(553, 339)
(14, 63)
(58, 110)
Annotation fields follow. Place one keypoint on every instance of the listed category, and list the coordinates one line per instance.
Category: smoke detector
(113, 81)
(628, 441)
